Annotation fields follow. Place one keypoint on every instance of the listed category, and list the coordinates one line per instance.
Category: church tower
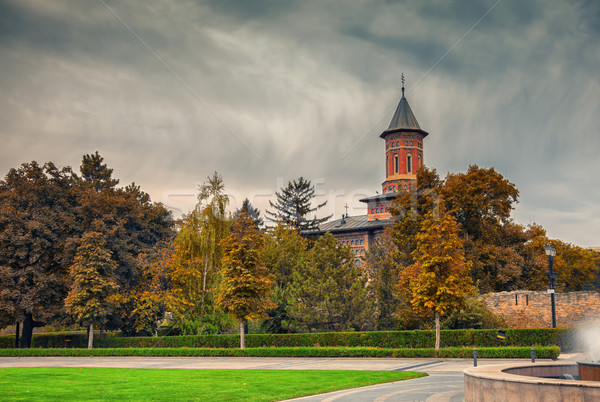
(403, 148)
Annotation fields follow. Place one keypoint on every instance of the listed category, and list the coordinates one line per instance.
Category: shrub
(542, 352)
(381, 339)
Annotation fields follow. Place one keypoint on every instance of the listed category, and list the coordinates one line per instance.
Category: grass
(69, 383)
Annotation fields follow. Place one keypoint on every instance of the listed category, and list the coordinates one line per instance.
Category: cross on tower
(402, 78)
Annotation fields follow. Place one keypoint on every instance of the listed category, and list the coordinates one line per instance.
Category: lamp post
(551, 273)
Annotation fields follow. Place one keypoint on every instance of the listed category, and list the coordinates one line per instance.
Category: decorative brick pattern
(529, 309)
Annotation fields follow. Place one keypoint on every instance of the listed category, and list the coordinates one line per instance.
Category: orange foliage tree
(246, 285)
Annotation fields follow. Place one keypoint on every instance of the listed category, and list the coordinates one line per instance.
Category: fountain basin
(528, 382)
(589, 371)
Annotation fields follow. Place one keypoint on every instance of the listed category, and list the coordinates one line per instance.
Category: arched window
(408, 163)
(357, 263)
(420, 162)
(396, 164)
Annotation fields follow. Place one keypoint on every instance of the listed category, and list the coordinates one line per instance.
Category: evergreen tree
(90, 298)
(294, 204)
(383, 268)
(252, 212)
(328, 293)
(284, 252)
(246, 284)
(96, 173)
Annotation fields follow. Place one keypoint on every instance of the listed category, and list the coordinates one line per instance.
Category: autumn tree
(213, 226)
(293, 205)
(130, 222)
(283, 253)
(440, 280)
(329, 292)
(409, 209)
(246, 284)
(150, 296)
(91, 296)
(36, 204)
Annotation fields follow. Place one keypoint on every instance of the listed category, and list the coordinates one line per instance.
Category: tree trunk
(204, 275)
(17, 329)
(242, 340)
(27, 331)
(437, 332)
(91, 336)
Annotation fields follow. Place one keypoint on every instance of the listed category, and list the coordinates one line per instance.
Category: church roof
(404, 119)
(350, 224)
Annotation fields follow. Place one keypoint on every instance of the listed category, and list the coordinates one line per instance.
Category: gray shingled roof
(404, 118)
(351, 223)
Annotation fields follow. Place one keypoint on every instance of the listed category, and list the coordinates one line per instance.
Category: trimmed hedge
(562, 337)
(542, 352)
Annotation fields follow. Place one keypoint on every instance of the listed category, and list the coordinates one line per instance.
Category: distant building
(403, 157)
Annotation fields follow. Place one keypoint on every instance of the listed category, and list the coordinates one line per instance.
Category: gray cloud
(309, 86)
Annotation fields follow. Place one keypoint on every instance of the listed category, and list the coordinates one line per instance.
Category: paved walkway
(445, 381)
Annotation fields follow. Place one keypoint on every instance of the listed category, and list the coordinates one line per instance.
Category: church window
(396, 164)
(405, 143)
(412, 143)
(357, 263)
(409, 163)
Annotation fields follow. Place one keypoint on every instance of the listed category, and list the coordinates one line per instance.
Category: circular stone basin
(589, 371)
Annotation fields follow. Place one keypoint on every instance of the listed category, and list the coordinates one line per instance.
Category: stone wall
(528, 309)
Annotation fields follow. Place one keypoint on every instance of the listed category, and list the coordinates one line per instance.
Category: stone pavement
(444, 382)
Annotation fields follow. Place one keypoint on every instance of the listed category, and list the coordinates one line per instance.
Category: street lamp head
(550, 251)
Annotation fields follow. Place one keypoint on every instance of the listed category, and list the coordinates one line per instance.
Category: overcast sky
(264, 92)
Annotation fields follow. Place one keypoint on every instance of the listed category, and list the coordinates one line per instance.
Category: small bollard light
(474, 357)
(532, 353)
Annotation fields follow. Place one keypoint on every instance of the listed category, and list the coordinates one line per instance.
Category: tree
(294, 203)
(480, 200)
(283, 253)
(441, 282)
(246, 285)
(36, 204)
(252, 212)
(91, 297)
(150, 297)
(213, 226)
(329, 292)
(383, 268)
(94, 172)
(131, 224)
(187, 272)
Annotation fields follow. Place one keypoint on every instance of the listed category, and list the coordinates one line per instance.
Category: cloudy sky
(266, 91)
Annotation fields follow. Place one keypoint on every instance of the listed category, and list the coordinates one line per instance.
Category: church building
(403, 157)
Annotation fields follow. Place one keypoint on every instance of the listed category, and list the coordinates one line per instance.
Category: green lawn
(68, 384)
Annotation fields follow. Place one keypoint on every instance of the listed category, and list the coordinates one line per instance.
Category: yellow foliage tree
(440, 275)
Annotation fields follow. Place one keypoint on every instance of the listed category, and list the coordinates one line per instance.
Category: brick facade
(529, 309)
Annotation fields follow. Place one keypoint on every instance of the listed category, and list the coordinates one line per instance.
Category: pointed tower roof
(404, 119)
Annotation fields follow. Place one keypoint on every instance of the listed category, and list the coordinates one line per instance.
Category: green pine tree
(328, 293)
